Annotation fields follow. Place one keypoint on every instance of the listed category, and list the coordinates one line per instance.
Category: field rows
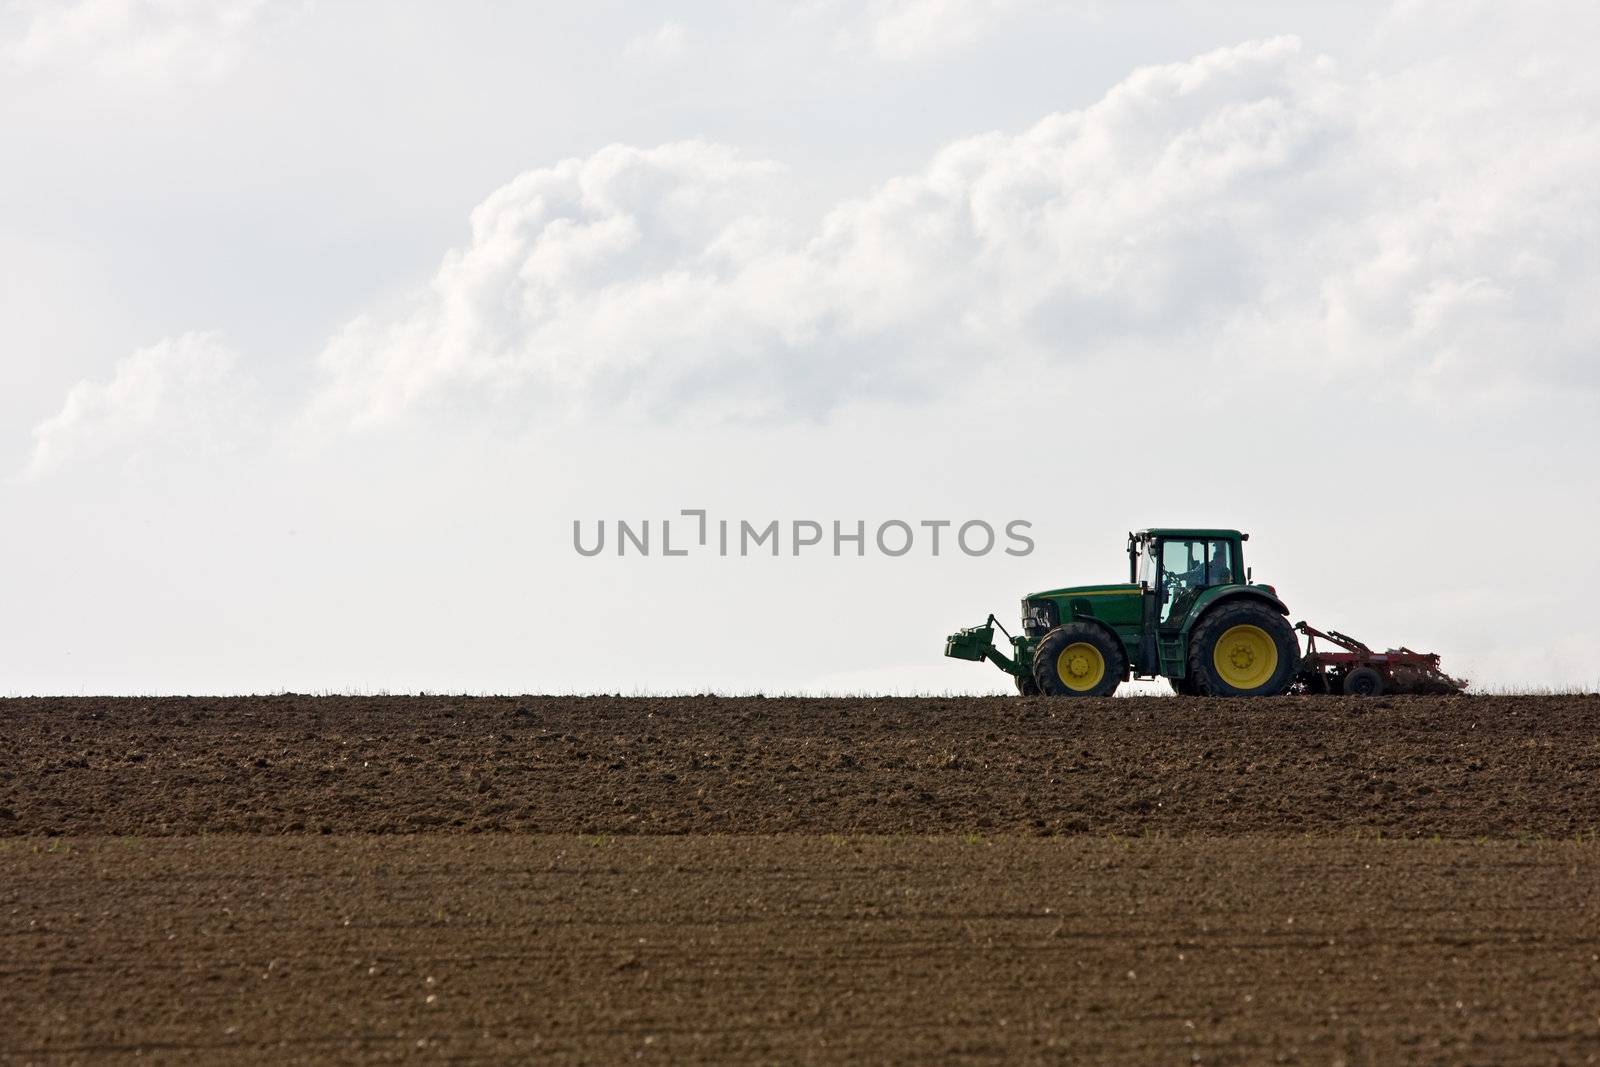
(797, 949)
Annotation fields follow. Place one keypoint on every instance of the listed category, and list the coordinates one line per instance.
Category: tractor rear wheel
(1363, 682)
(1079, 659)
(1243, 649)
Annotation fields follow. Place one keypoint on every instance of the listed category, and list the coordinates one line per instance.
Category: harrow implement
(1358, 670)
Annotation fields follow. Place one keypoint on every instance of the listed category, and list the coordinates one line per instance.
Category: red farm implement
(1357, 670)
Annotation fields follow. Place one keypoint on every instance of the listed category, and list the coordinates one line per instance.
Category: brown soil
(1461, 767)
(1137, 881)
(800, 949)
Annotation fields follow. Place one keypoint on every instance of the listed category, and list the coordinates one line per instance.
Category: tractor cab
(1179, 566)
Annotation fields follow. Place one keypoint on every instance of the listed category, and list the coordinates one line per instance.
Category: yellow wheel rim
(1246, 657)
(1080, 667)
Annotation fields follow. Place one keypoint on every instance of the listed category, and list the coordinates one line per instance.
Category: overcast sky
(323, 321)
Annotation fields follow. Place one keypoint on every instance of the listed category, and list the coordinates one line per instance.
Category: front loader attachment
(976, 643)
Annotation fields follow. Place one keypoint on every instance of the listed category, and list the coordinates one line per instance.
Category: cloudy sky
(323, 320)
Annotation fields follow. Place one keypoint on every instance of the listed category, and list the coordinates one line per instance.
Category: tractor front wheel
(1243, 649)
(1079, 659)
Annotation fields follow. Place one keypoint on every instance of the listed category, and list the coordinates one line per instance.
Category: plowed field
(1457, 767)
(709, 879)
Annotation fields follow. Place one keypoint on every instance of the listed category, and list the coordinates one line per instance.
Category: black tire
(1026, 686)
(1219, 621)
(1047, 660)
(1363, 682)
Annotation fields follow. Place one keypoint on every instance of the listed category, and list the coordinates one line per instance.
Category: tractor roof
(1193, 531)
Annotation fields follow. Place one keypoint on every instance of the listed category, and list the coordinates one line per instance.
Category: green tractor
(1189, 613)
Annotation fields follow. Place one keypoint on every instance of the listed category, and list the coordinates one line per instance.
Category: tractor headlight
(1038, 617)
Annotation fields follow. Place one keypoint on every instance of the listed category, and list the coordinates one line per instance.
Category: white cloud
(667, 42)
(1255, 206)
(183, 396)
(913, 30)
(578, 280)
(168, 41)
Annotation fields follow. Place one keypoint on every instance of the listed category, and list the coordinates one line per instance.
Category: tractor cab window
(1187, 567)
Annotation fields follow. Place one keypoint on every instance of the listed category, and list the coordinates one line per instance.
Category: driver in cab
(1217, 572)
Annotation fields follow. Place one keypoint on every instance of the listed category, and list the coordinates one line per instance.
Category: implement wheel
(1079, 659)
(1363, 682)
(1027, 686)
(1243, 649)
